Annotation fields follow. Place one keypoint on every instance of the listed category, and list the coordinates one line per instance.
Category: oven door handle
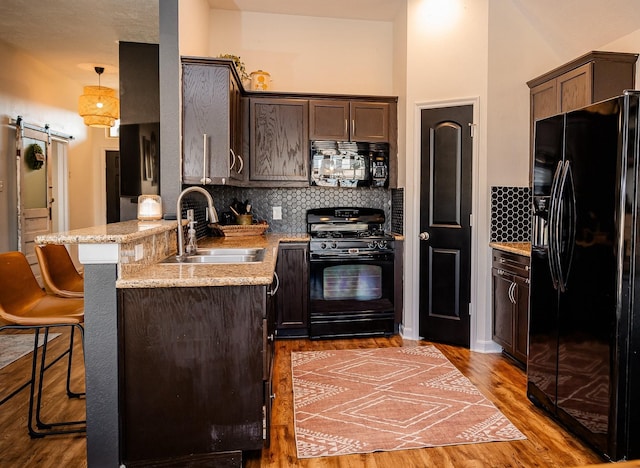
(387, 256)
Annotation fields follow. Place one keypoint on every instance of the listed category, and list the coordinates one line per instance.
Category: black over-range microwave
(349, 164)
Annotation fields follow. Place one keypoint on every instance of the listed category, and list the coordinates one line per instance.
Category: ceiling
(574, 27)
(73, 36)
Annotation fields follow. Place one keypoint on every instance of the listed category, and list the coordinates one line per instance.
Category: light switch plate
(277, 212)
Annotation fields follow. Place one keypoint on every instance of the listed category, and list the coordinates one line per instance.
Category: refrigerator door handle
(554, 233)
(566, 217)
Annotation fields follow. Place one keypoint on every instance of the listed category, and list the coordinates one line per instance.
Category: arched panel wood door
(445, 228)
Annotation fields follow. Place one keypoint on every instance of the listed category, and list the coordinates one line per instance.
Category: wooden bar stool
(24, 305)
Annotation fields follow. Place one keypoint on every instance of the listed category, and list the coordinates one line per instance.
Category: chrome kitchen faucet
(213, 215)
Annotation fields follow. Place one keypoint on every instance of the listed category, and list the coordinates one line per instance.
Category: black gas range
(352, 279)
(348, 232)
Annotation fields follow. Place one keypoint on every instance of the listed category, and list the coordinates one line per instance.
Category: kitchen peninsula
(169, 347)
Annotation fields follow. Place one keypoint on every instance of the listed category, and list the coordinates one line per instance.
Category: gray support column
(170, 160)
(101, 364)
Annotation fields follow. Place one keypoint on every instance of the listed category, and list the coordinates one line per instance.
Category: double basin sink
(220, 256)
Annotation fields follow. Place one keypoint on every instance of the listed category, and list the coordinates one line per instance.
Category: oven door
(351, 295)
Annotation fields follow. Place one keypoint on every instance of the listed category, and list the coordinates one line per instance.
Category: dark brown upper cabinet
(279, 142)
(261, 139)
(593, 77)
(211, 122)
(343, 120)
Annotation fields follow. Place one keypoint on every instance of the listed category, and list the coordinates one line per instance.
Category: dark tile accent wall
(510, 214)
(294, 202)
(397, 210)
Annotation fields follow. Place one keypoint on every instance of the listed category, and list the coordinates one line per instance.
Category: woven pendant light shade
(99, 105)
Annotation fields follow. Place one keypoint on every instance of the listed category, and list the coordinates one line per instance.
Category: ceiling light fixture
(99, 105)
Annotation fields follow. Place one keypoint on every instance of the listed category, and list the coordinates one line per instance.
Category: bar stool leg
(43, 367)
(32, 432)
(70, 393)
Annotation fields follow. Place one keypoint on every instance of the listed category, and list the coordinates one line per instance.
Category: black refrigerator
(583, 366)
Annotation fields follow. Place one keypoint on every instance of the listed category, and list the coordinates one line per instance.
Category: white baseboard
(486, 347)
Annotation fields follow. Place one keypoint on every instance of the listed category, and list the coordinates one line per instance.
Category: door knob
(424, 235)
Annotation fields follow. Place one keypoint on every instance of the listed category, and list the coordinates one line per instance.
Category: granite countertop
(520, 248)
(174, 275)
(116, 233)
(149, 273)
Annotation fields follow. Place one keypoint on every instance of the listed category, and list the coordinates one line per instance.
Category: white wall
(516, 52)
(194, 27)
(446, 63)
(399, 78)
(519, 52)
(627, 43)
(41, 96)
(305, 54)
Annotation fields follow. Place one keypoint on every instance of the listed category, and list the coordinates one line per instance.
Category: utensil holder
(244, 219)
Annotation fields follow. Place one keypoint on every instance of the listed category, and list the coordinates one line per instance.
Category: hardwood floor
(17, 449)
(547, 444)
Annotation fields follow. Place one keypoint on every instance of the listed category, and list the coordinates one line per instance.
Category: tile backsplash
(397, 210)
(294, 202)
(510, 214)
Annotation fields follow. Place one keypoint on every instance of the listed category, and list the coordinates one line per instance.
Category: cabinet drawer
(511, 263)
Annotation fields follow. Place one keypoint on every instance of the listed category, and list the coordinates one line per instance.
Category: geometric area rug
(383, 399)
(13, 347)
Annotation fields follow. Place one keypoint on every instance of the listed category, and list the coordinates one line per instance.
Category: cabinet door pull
(205, 179)
(241, 163)
(275, 289)
(512, 289)
(346, 126)
(233, 159)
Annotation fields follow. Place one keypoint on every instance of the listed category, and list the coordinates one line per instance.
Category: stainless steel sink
(213, 256)
(229, 251)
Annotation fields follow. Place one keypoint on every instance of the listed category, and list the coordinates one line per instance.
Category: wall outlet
(138, 252)
(277, 212)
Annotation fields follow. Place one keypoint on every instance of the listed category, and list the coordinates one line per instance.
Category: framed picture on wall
(139, 159)
(147, 172)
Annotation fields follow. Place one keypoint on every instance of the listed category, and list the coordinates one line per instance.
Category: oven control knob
(382, 245)
(334, 245)
(323, 245)
(371, 245)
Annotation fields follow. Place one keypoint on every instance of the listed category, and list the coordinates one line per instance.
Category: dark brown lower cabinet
(195, 369)
(292, 299)
(511, 304)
